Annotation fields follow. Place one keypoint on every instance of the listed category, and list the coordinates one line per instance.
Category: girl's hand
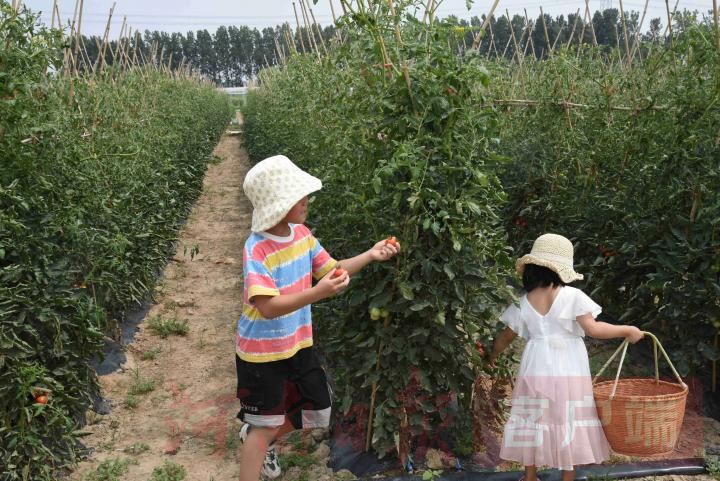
(328, 286)
(384, 250)
(634, 334)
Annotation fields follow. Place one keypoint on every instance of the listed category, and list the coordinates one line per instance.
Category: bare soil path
(174, 399)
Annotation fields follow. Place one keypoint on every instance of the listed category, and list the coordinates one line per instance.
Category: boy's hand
(328, 286)
(634, 334)
(384, 250)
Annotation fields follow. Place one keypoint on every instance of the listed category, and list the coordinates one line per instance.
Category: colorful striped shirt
(275, 266)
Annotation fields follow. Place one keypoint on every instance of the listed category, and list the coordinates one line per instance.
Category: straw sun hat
(554, 252)
(274, 186)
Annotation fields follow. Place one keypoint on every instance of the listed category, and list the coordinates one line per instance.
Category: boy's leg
(261, 391)
(310, 397)
(252, 451)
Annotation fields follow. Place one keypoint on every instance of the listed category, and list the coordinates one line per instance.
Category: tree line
(234, 54)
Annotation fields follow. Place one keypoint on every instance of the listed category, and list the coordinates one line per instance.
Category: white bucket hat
(554, 252)
(274, 186)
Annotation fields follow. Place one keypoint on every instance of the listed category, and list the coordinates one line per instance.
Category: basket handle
(623, 347)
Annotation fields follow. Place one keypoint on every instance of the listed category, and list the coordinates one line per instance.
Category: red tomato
(339, 272)
(42, 399)
(392, 241)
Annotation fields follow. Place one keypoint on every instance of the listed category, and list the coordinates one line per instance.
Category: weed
(131, 402)
(168, 472)
(141, 385)
(110, 470)
(168, 327)
(136, 449)
(303, 461)
(150, 354)
(431, 474)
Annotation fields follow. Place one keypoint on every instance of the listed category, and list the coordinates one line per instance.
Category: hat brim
(307, 186)
(566, 274)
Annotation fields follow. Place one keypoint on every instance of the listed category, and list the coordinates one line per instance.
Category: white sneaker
(271, 465)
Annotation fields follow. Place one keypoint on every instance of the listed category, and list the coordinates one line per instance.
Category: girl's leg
(253, 451)
(568, 475)
(531, 473)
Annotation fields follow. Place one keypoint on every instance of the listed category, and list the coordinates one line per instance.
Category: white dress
(553, 419)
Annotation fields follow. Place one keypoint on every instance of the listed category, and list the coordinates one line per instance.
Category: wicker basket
(641, 417)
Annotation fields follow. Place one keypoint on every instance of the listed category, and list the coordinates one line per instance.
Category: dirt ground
(174, 398)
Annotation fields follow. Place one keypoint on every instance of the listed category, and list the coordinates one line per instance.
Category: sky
(192, 15)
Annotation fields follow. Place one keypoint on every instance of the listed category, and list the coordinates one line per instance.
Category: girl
(553, 420)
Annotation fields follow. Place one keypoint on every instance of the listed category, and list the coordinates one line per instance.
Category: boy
(281, 385)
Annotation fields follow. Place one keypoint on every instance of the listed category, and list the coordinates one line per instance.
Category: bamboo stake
(373, 392)
(514, 40)
(332, 10)
(668, 28)
(308, 27)
(493, 45)
(119, 44)
(565, 104)
(478, 37)
(572, 33)
(299, 32)
(101, 59)
(54, 10)
(337, 31)
(636, 40)
(592, 26)
(547, 37)
(582, 34)
(532, 44)
(317, 27)
(625, 33)
(556, 39)
(716, 16)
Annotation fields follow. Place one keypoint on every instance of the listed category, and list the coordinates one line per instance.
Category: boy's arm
(381, 251)
(603, 330)
(276, 306)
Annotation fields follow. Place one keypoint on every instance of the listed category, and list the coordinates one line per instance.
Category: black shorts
(295, 387)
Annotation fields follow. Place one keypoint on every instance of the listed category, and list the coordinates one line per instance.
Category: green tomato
(375, 313)
(384, 312)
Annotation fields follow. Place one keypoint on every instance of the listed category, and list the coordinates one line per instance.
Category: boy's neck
(281, 230)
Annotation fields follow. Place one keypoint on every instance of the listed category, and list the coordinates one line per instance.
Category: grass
(141, 385)
(168, 327)
(302, 461)
(150, 354)
(168, 472)
(136, 449)
(131, 402)
(110, 470)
